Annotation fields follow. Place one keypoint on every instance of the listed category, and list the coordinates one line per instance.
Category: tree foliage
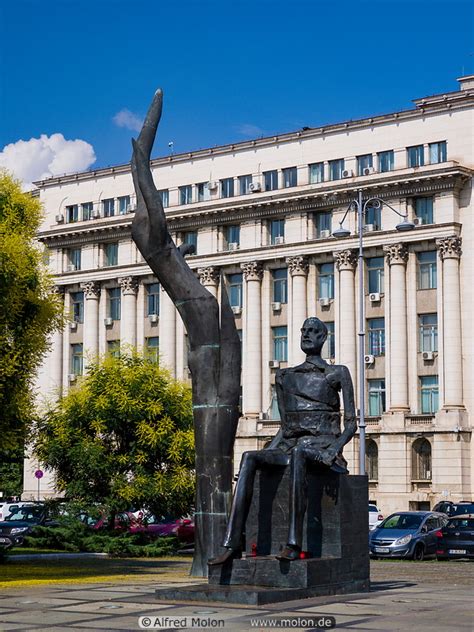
(123, 437)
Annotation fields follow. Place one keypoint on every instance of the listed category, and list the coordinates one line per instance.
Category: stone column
(298, 267)
(167, 331)
(397, 257)
(346, 262)
(128, 311)
(91, 291)
(450, 253)
(252, 356)
(209, 277)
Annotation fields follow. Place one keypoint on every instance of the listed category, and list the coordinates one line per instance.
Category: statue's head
(313, 336)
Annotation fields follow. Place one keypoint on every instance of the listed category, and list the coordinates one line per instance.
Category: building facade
(261, 214)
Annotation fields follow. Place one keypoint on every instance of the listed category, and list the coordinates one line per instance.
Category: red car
(126, 521)
(185, 530)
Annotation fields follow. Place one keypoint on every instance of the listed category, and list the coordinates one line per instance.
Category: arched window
(372, 460)
(421, 460)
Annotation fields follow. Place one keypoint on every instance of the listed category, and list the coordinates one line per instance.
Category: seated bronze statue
(309, 404)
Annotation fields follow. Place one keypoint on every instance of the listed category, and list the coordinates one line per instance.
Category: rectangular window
(77, 306)
(190, 237)
(280, 285)
(290, 177)
(428, 332)
(373, 217)
(74, 258)
(429, 394)
(76, 359)
(244, 184)
(277, 231)
(108, 207)
(437, 152)
(328, 352)
(227, 187)
(113, 303)
(376, 397)
(376, 327)
(386, 160)
(111, 254)
(235, 289)
(186, 194)
(270, 179)
(375, 272)
(326, 280)
(424, 209)
(153, 298)
(153, 348)
(123, 204)
(203, 193)
(165, 197)
(364, 162)
(113, 348)
(72, 213)
(274, 410)
(280, 343)
(415, 156)
(87, 208)
(316, 172)
(427, 277)
(232, 234)
(336, 167)
(323, 224)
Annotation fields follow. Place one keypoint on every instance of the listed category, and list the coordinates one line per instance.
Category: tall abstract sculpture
(214, 356)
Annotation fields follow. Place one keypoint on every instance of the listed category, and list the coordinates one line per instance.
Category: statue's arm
(281, 407)
(350, 422)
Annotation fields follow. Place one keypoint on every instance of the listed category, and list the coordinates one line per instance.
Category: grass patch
(25, 550)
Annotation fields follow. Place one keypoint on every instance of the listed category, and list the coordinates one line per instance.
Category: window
(123, 204)
(113, 348)
(270, 179)
(76, 359)
(437, 152)
(186, 194)
(415, 156)
(316, 172)
(326, 280)
(74, 258)
(232, 234)
(328, 352)
(427, 277)
(421, 460)
(77, 306)
(227, 187)
(152, 348)
(429, 394)
(375, 272)
(277, 231)
(87, 209)
(203, 193)
(153, 298)
(376, 328)
(323, 224)
(424, 209)
(290, 177)
(376, 397)
(280, 285)
(111, 254)
(280, 343)
(373, 217)
(372, 460)
(364, 162)
(274, 410)
(72, 213)
(386, 161)
(244, 184)
(336, 167)
(113, 303)
(235, 290)
(190, 237)
(108, 207)
(428, 332)
(165, 197)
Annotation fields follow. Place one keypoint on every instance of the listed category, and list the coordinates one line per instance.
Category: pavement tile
(114, 607)
(36, 617)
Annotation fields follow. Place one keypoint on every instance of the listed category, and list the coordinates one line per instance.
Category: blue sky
(229, 70)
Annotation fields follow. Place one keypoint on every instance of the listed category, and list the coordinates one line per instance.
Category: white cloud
(46, 156)
(129, 120)
(247, 129)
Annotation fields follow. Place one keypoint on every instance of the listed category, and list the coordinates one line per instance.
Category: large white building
(261, 214)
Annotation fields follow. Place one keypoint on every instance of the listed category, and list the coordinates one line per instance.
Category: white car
(375, 517)
(8, 508)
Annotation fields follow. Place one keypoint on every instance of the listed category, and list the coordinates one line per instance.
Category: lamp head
(405, 225)
(341, 232)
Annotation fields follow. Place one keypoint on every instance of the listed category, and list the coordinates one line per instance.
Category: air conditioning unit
(324, 234)
(374, 297)
(131, 208)
(153, 318)
(59, 218)
(418, 221)
(255, 187)
(274, 364)
(233, 245)
(324, 302)
(72, 377)
(95, 214)
(237, 310)
(276, 306)
(108, 322)
(369, 228)
(71, 267)
(212, 185)
(367, 171)
(428, 356)
(347, 173)
(73, 325)
(279, 240)
(369, 359)
(262, 416)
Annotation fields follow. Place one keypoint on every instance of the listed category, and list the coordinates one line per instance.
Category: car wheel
(419, 553)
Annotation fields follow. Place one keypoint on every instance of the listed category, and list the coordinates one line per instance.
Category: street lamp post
(405, 225)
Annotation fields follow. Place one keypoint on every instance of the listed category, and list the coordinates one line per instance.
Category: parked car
(7, 508)
(375, 517)
(21, 522)
(408, 534)
(463, 507)
(185, 530)
(458, 538)
(127, 521)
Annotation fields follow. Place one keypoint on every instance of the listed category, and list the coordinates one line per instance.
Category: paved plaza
(405, 595)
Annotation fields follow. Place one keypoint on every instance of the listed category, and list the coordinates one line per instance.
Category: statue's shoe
(289, 554)
(229, 554)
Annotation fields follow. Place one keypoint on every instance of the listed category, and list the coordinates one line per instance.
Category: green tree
(123, 437)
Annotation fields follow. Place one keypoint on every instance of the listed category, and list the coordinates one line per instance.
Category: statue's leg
(298, 495)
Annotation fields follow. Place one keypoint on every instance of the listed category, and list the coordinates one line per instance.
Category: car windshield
(456, 510)
(26, 514)
(402, 521)
(461, 524)
(373, 508)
